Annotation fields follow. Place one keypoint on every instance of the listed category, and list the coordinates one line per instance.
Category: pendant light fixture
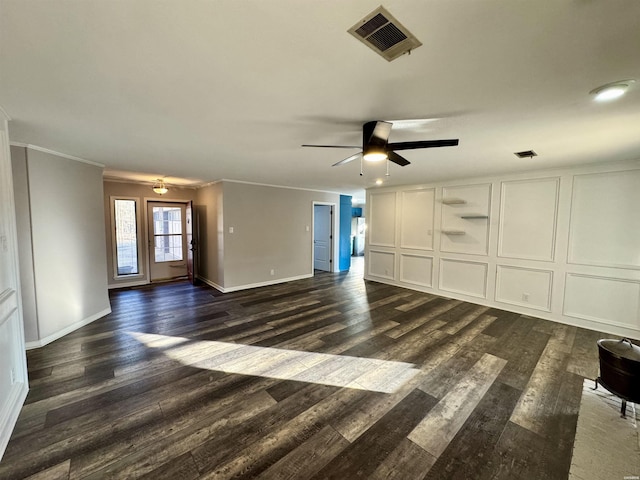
(159, 187)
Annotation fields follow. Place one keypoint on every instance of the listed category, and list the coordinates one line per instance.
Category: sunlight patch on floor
(321, 368)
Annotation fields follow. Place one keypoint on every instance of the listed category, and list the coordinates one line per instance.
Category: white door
(322, 237)
(167, 240)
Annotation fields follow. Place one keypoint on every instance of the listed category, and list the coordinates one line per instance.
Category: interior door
(322, 237)
(167, 240)
(191, 244)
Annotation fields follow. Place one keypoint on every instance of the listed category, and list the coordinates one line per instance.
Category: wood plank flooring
(329, 377)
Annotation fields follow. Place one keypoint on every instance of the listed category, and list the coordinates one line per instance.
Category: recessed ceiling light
(611, 91)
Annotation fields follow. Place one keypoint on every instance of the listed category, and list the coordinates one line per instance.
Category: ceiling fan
(376, 146)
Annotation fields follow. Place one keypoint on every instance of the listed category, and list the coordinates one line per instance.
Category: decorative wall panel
(526, 287)
(465, 219)
(382, 219)
(382, 264)
(416, 269)
(601, 299)
(605, 220)
(528, 212)
(468, 278)
(416, 221)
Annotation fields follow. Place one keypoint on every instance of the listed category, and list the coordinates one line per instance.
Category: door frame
(147, 238)
(335, 233)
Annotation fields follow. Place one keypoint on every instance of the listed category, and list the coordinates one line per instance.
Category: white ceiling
(204, 90)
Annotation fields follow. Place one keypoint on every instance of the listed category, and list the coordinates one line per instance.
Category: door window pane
(167, 233)
(126, 237)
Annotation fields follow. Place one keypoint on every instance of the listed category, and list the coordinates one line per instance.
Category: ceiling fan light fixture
(374, 153)
(159, 187)
(611, 91)
(375, 156)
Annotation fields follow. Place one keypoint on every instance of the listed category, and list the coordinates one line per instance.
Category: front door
(322, 237)
(167, 240)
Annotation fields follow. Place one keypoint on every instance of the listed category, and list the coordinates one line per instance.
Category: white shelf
(454, 232)
(453, 201)
(474, 215)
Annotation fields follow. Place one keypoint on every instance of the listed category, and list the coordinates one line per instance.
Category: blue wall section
(344, 256)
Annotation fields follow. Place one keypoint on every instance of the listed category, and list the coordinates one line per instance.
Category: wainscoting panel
(465, 219)
(416, 220)
(382, 264)
(609, 300)
(460, 276)
(528, 212)
(382, 219)
(605, 224)
(525, 287)
(416, 269)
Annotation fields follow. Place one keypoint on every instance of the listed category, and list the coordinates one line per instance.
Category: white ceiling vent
(381, 32)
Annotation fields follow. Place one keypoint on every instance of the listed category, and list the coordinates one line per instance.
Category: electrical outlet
(13, 376)
(273, 272)
(525, 297)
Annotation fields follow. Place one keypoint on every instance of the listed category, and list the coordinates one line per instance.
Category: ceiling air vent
(381, 32)
(526, 154)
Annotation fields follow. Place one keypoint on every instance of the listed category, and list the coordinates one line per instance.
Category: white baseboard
(71, 328)
(211, 284)
(10, 412)
(253, 285)
(137, 283)
(554, 317)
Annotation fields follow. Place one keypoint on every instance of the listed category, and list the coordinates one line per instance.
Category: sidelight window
(126, 237)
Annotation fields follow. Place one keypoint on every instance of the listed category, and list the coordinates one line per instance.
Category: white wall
(141, 193)
(13, 364)
(261, 228)
(560, 244)
(66, 219)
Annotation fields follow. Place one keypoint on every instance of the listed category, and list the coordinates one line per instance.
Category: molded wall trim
(9, 415)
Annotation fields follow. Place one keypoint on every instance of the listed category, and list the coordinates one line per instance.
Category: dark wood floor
(330, 377)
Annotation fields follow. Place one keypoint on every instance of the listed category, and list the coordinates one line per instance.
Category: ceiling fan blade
(395, 158)
(332, 146)
(376, 133)
(348, 159)
(423, 144)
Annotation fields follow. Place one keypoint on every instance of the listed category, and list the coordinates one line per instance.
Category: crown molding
(276, 186)
(57, 154)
